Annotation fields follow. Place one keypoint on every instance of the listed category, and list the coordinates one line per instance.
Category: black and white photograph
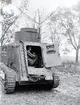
(39, 52)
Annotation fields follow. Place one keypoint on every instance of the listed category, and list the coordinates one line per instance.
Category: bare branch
(69, 31)
(28, 16)
(47, 17)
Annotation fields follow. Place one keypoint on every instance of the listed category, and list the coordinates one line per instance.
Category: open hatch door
(51, 55)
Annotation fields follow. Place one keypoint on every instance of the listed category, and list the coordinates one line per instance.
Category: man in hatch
(32, 57)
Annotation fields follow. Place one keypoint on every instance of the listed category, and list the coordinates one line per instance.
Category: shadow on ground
(34, 87)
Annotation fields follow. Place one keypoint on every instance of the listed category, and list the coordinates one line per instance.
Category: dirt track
(68, 93)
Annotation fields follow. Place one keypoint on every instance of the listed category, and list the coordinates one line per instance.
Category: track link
(9, 81)
(9, 84)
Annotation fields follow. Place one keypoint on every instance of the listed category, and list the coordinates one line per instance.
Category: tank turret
(27, 34)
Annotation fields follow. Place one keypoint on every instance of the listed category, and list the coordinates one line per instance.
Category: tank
(27, 61)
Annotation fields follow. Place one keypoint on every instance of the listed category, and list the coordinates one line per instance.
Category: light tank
(27, 61)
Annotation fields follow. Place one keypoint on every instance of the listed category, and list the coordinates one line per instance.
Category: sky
(44, 5)
(48, 5)
(51, 4)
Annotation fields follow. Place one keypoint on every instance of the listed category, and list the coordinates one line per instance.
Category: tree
(6, 1)
(39, 19)
(54, 36)
(9, 20)
(67, 24)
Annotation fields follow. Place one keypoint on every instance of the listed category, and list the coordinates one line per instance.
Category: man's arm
(31, 55)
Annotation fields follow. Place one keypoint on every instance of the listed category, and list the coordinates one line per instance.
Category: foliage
(8, 23)
(65, 22)
(8, 20)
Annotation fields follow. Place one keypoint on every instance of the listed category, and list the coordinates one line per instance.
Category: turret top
(27, 34)
(29, 30)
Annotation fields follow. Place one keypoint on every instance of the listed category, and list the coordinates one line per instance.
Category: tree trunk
(77, 51)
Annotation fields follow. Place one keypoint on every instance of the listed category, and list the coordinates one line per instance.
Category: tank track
(56, 81)
(9, 84)
(9, 81)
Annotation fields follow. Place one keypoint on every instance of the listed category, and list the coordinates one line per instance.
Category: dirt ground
(68, 92)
